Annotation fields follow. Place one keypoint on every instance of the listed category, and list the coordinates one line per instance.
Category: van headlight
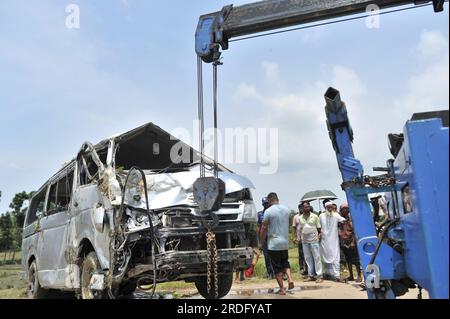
(250, 214)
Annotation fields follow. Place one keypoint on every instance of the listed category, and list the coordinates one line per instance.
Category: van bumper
(182, 265)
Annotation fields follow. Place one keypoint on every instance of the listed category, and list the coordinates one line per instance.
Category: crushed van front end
(183, 254)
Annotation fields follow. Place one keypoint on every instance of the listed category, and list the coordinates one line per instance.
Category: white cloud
(427, 87)
(433, 44)
(246, 91)
(306, 157)
(271, 71)
(348, 81)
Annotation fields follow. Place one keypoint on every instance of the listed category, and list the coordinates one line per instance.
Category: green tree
(6, 232)
(19, 204)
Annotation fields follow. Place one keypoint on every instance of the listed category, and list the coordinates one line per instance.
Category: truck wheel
(90, 266)
(225, 283)
(34, 289)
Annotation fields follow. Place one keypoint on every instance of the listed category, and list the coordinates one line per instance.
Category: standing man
(310, 230)
(329, 244)
(348, 241)
(297, 239)
(265, 204)
(276, 227)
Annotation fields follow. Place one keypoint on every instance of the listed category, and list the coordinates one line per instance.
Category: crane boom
(215, 29)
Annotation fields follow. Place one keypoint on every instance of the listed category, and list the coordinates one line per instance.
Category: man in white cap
(329, 244)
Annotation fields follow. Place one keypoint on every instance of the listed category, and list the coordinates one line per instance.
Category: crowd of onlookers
(320, 237)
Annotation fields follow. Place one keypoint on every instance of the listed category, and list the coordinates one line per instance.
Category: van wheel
(225, 283)
(128, 288)
(34, 289)
(90, 266)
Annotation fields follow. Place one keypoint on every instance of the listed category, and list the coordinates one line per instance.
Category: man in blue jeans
(310, 229)
(265, 204)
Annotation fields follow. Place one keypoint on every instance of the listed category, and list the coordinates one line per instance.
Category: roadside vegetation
(11, 222)
(11, 286)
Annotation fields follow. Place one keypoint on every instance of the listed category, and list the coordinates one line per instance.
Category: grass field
(6, 258)
(11, 286)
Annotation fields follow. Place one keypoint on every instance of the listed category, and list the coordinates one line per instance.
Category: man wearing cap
(265, 204)
(276, 227)
(323, 203)
(329, 244)
(348, 241)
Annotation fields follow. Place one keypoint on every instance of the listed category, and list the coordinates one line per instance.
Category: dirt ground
(11, 287)
(264, 289)
(306, 290)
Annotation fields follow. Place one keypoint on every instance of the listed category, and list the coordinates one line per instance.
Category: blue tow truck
(410, 248)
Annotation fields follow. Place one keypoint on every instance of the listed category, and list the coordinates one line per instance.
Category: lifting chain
(419, 296)
(211, 270)
(211, 248)
(372, 181)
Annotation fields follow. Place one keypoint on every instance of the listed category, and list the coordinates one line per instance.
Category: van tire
(225, 283)
(89, 266)
(128, 289)
(34, 289)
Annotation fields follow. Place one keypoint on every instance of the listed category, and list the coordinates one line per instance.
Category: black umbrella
(318, 195)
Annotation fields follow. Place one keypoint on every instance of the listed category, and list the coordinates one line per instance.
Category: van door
(31, 227)
(87, 197)
(53, 239)
(86, 193)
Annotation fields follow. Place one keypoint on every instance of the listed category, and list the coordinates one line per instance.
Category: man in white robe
(329, 244)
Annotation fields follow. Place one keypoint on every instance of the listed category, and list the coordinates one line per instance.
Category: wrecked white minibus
(100, 229)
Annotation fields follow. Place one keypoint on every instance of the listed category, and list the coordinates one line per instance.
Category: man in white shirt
(329, 243)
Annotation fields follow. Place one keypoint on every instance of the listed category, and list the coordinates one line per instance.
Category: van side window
(36, 207)
(60, 194)
(51, 203)
(70, 182)
(88, 170)
(64, 192)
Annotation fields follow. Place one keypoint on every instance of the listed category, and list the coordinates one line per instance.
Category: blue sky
(133, 62)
